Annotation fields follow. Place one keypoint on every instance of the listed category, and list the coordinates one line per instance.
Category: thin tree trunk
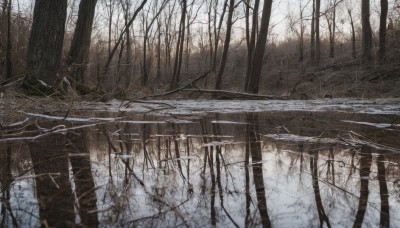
(317, 35)
(258, 55)
(226, 46)
(158, 74)
(9, 66)
(252, 41)
(382, 31)
(301, 45)
(211, 49)
(217, 31)
(353, 35)
(332, 28)
(145, 75)
(179, 49)
(312, 45)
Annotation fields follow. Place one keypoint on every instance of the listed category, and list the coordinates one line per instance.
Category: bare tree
(251, 37)
(366, 46)
(179, 48)
(80, 46)
(382, 31)
(258, 56)
(317, 33)
(353, 34)
(217, 30)
(226, 45)
(9, 66)
(312, 48)
(331, 20)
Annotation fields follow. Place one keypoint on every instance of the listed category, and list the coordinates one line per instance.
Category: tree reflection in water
(5, 182)
(365, 170)
(253, 135)
(54, 191)
(53, 187)
(314, 155)
(211, 172)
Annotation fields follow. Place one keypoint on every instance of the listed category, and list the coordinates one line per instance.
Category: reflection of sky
(289, 192)
(290, 200)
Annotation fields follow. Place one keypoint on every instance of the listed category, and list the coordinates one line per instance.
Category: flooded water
(171, 164)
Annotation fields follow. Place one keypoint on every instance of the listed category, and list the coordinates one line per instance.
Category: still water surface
(247, 169)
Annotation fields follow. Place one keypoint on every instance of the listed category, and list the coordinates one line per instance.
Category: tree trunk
(158, 74)
(46, 40)
(217, 31)
(145, 39)
(258, 55)
(9, 66)
(317, 37)
(382, 31)
(226, 46)
(312, 45)
(366, 44)
(211, 49)
(332, 32)
(179, 49)
(252, 41)
(353, 35)
(301, 41)
(80, 46)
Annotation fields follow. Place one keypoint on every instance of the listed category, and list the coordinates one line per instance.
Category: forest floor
(337, 79)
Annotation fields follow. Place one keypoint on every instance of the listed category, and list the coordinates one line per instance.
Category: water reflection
(254, 144)
(247, 170)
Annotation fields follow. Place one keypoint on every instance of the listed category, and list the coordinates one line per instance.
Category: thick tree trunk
(382, 31)
(46, 40)
(79, 52)
(366, 45)
(226, 46)
(258, 55)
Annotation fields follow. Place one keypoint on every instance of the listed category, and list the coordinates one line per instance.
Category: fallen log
(234, 95)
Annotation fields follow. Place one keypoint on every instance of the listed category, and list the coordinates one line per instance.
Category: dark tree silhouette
(382, 31)
(366, 46)
(258, 56)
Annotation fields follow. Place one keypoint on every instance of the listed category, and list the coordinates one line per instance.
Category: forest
(215, 49)
(199, 113)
